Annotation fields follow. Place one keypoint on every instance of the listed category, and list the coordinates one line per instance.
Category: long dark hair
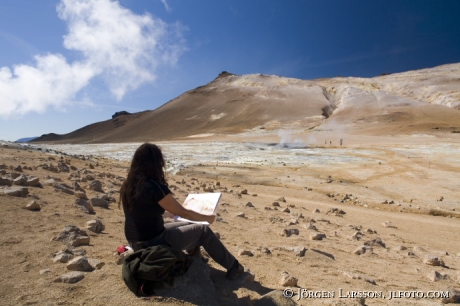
(148, 163)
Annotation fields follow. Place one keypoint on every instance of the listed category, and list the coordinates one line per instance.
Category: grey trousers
(187, 236)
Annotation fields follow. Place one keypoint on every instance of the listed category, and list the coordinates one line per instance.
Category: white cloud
(167, 7)
(122, 48)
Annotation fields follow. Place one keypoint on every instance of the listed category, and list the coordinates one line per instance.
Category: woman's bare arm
(170, 204)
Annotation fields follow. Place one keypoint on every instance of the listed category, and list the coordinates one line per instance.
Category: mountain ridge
(422, 100)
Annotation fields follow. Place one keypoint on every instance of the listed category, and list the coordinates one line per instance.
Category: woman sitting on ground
(145, 197)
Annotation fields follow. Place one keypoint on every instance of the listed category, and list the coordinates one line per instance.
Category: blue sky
(65, 64)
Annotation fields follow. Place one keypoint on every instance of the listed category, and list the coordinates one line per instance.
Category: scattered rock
(363, 249)
(99, 202)
(96, 263)
(64, 188)
(288, 232)
(454, 296)
(20, 192)
(95, 226)
(359, 276)
(310, 226)
(435, 276)
(71, 278)
(241, 215)
(276, 204)
(375, 242)
(286, 210)
(299, 251)
(287, 280)
(244, 191)
(5, 181)
(80, 263)
(282, 199)
(316, 211)
(249, 204)
(20, 180)
(73, 236)
(33, 182)
(317, 236)
(96, 185)
(336, 212)
(245, 252)
(62, 256)
(34, 206)
(84, 205)
(388, 224)
(45, 271)
(267, 251)
(81, 195)
(433, 260)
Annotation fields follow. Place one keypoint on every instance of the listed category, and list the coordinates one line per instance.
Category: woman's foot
(235, 271)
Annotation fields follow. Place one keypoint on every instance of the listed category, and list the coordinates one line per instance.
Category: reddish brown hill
(415, 101)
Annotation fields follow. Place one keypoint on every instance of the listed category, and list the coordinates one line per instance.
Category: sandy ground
(418, 175)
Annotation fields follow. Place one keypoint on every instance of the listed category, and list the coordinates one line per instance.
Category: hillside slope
(426, 100)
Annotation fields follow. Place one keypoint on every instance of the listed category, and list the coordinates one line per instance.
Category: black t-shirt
(145, 221)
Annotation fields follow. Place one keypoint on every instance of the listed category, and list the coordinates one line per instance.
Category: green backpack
(148, 269)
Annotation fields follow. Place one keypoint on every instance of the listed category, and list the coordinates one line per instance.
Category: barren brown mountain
(415, 101)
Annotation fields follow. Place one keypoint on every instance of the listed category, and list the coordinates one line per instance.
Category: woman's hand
(211, 219)
(170, 204)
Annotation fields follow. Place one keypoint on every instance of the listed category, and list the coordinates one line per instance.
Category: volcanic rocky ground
(378, 213)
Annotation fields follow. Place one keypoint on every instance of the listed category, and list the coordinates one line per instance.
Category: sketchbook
(204, 203)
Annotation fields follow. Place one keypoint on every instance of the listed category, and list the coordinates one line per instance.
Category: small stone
(282, 199)
(245, 252)
(435, 276)
(359, 276)
(45, 271)
(433, 260)
(388, 224)
(80, 263)
(265, 251)
(286, 210)
(317, 236)
(244, 191)
(32, 181)
(310, 226)
(288, 232)
(454, 296)
(99, 202)
(20, 180)
(95, 263)
(84, 205)
(95, 226)
(316, 211)
(20, 192)
(33, 206)
(287, 280)
(363, 249)
(249, 204)
(81, 195)
(300, 251)
(71, 278)
(276, 204)
(96, 185)
(62, 257)
(241, 215)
